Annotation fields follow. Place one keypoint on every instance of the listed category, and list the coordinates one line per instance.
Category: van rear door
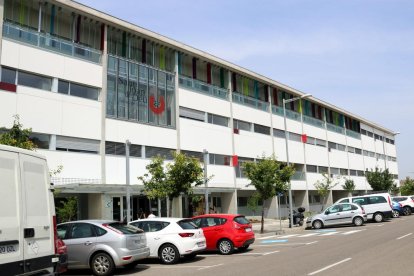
(11, 246)
(38, 214)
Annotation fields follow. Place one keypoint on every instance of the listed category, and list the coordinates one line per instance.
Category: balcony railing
(353, 134)
(292, 115)
(199, 86)
(50, 42)
(277, 110)
(249, 101)
(335, 128)
(298, 176)
(313, 121)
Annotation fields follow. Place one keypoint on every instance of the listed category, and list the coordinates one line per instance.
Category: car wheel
(131, 265)
(407, 210)
(169, 254)
(358, 221)
(102, 264)
(317, 224)
(395, 214)
(243, 248)
(378, 217)
(225, 247)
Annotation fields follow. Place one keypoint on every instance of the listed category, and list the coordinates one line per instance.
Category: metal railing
(204, 88)
(249, 101)
(335, 128)
(50, 42)
(313, 121)
(66, 180)
(292, 115)
(353, 134)
(277, 110)
(298, 176)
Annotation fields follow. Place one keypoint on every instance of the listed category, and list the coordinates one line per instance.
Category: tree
(349, 186)
(17, 136)
(253, 202)
(175, 179)
(380, 180)
(323, 187)
(269, 177)
(407, 187)
(68, 210)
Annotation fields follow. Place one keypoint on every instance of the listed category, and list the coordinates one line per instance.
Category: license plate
(248, 229)
(200, 244)
(6, 249)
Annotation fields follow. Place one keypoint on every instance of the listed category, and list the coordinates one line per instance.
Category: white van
(27, 214)
(377, 206)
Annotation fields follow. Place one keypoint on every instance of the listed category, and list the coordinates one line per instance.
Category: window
(377, 199)
(335, 171)
(352, 172)
(261, 129)
(360, 200)
(323, 169)
(341, 147)
(194, 154)
(83, 91)
(295, 137)
(218, 120)
(8, 75)
(346, 207)
(63, 87)
(151, 152)
(334, 209)
(187, 224)
(279, 133)
(311, 168)
(360, 173)
(363, 132)
(351, 149)
(321, 143)
(358, 151)
(242, 125)
(34, 81)
(370, 134)
(343, 171)
(62, 230)
(344, 201)
(73, 144)
(218, 159)
(192, 114)
(310, 140)
(241, 220)
(82, 230)
(331, 145)
(242, 201)
(42, 141)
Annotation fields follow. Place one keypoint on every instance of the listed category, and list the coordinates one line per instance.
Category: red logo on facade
(157, 107)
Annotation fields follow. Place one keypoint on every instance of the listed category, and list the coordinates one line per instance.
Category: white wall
(250, 144)
(204, 103)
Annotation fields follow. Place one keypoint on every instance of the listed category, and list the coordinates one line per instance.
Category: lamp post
(128, 193)
(205, 154)
(287, 151)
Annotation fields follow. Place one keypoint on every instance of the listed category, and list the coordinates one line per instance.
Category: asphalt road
(373, 249)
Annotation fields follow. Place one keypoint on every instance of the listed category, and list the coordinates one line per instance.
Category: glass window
(343, 171)
(370, 134)
(84, 91)
(360, 173)
(62, 230)
(323, 169)
(320, 142)
(8, 75)
(279, 133)
(241, 220)
(63, 87)
(187, 224)
(351, 149)
(124, 228)
(218, 120)
(155, 151)
(335, 171)
(311, 168)
(358, 151)
(340, 147)
(352, 172)
(331, 145)
(143, 94)
(360, 200)
(261, 129)
(82, 230)
(310, 140)
(377, 199)
(295, 137)
(99, 231)
(35, 81)
(346, 207)
(40, 140)
(218, 159)
(242, 125)
(334, 209)
(242, 201)
(363, 132)
(111, 96)
(192, 114)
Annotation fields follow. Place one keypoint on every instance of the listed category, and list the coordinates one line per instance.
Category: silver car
(102, 245)
(337, 214)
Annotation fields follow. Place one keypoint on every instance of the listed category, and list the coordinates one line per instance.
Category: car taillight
(236, 225)
(111, 228)
(400, 205)
(55, 236)
(389, 202)
(186, 235)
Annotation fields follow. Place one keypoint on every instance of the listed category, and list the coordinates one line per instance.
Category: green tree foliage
(17, 136)
(380, 180)
(68, 210)
(349, 186)
(324, 186)
(269, 177)
(407, 187)
(176, 178)
(253, 202)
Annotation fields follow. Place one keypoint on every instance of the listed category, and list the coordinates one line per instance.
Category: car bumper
(136, 255)
(240, 240)
(192, 245)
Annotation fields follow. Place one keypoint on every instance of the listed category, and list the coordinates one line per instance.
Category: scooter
(298, 217)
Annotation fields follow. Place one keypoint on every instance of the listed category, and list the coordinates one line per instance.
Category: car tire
(225, 246)
(317, 224)
(378, 217)
(395, 214)
(131, 265)
(358, 221)
(169, 254)
(102, 264)
(407, 210)
(243, 248)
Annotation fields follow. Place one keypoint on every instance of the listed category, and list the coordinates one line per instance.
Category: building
(86, 82)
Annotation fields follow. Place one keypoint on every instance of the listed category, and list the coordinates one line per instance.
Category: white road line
(268, 253)
(275, 244)
(352, 232)
(329, 266)
(183, 266)
(288, 236)
(309, 243)
(210, 266)
(308, 235)
(329, 234)
(268, 237)
(404, 236)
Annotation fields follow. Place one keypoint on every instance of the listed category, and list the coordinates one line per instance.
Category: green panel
(162, 58)
(180, 66)
(124, 43)
(22, 12)
(222, 77)
(246, 86)
(256, 89)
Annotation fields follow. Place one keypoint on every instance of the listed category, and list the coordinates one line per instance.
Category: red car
(225, 232)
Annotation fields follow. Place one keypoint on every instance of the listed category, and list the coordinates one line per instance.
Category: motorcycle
(298, 217)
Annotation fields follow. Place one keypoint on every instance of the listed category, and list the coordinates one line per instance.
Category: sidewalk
(272, 227)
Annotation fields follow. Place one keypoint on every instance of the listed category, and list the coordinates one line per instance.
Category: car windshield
(241, 220)
(125, 228)
(187, 224)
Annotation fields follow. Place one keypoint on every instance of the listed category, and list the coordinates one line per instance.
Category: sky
(357, 55)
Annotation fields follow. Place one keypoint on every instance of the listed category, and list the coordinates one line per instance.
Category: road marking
(278, 244)
(268, 253)
(308, 235)
(274, 241)
(352, 232)
(404, 236)
(288, 236)
(329, 234)
(329, 266)
(210, 266)
(309, 243)
(268, 237)
(325, 230)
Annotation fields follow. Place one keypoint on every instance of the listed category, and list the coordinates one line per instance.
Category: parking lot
(375, 248)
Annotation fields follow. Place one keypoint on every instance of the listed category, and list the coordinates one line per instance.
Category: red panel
(102, 36)
(208, 73)
(304, 138)
(235, 130)
(8, 86)
(235, 160)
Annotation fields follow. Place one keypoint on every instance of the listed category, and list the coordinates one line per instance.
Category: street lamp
(287, 151)
(205, 154)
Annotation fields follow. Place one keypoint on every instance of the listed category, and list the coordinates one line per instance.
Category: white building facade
(86, 82)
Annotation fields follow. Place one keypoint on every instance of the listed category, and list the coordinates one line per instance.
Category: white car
(406, 202)
(171, 238)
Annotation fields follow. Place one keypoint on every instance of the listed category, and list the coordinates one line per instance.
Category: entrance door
(116, 208)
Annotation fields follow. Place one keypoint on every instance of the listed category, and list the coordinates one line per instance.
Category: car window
(155, 226)
(62, 230)
(353, 207)
(346, 207)
(138, 225)
(360, 200)
(377, 199)
(398, 199)
(99, 231)
(335, 209)
(197, 222)
(241, 220)
(82, 230)
(124, 228)
(187, 224)
(344, 201)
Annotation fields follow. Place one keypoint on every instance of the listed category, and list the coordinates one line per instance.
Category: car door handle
(88, 243)
(352, 212)
(337, 214)
(156, 238)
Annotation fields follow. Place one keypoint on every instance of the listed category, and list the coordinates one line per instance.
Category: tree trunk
(170, 209)
(262, 222)
(323, 203)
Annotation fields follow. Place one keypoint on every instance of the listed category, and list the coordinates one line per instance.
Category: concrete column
(271, 208)
(95, 204)
(329, 199)
(52, 143)
(104, 61)
(177, 102)
(228, 202)
(177, 207)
